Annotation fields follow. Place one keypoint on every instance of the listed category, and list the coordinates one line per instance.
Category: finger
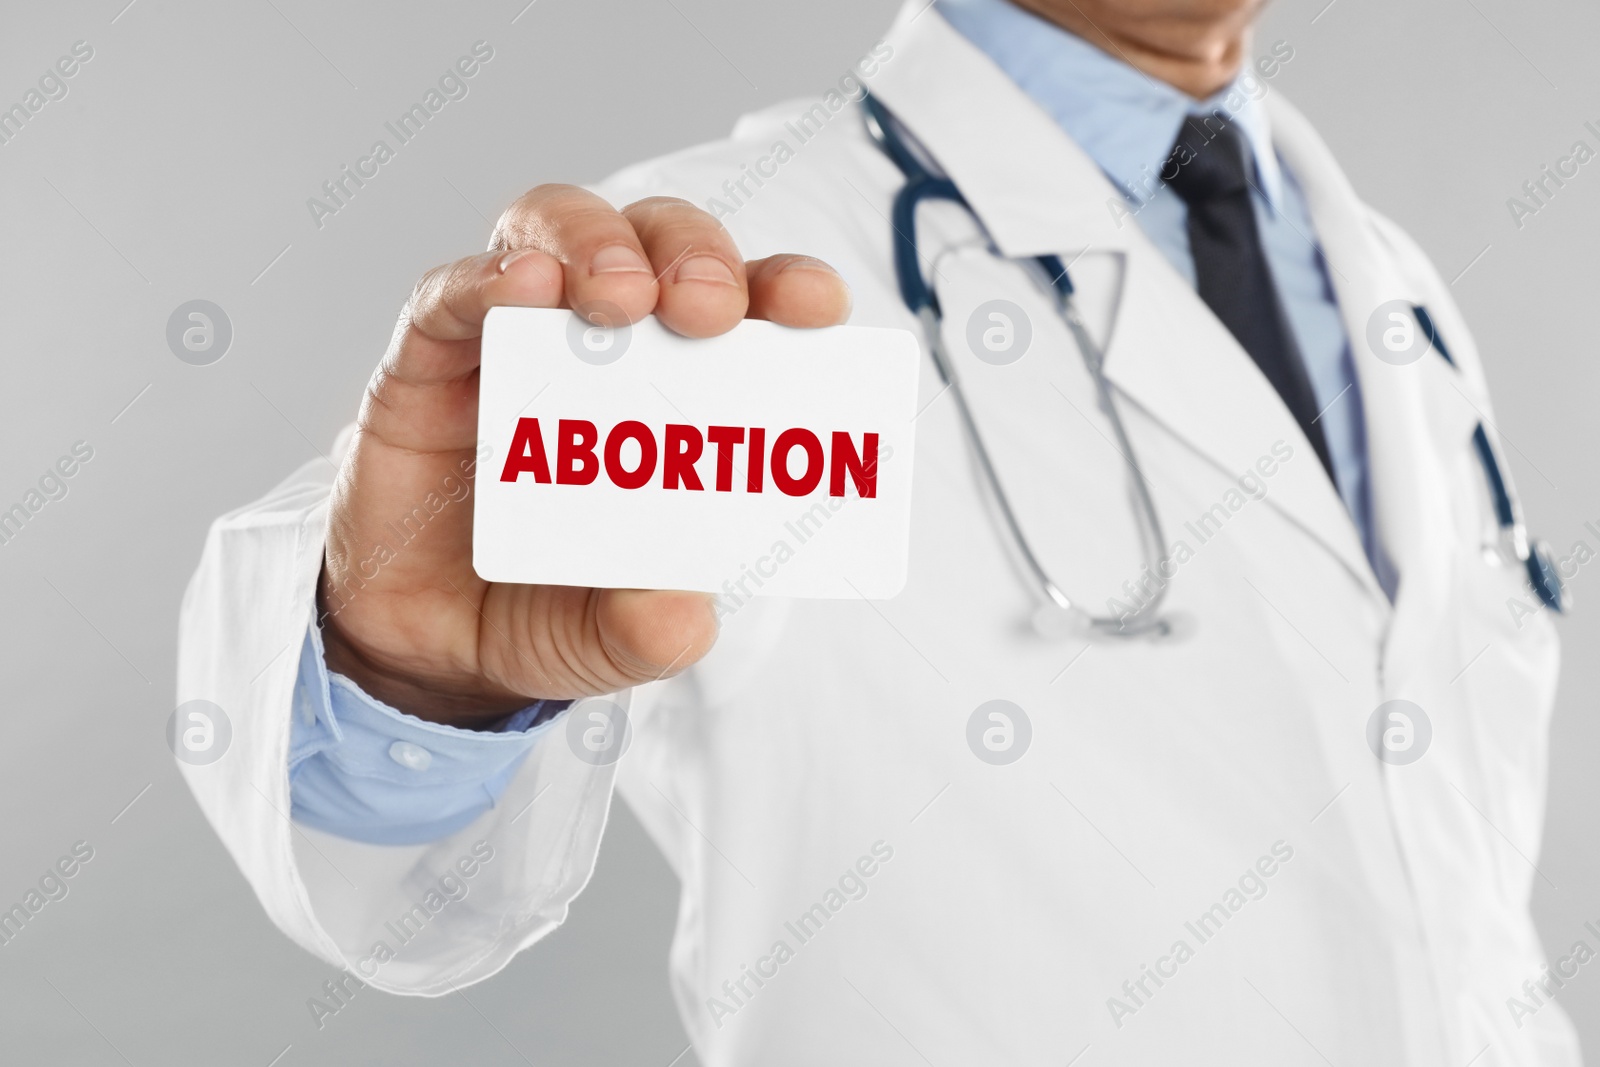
(698, 267)
(566, 641)
(423, 396)
(649, 634)
(607, 273)
(797, 291)
(449, 303)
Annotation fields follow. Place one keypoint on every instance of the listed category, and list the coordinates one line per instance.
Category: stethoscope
(1059, 614)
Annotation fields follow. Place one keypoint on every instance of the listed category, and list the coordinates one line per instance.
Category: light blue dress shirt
(362, 769)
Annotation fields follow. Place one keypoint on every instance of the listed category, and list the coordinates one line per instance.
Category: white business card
(768, 460)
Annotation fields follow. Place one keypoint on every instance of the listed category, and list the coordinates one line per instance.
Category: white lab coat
(1019, 899)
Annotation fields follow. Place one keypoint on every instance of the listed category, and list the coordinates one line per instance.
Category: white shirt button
(412, 757)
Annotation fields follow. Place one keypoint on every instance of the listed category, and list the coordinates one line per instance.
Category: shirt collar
(1125, 120)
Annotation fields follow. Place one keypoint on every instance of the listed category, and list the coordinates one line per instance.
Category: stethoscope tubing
(921, 186)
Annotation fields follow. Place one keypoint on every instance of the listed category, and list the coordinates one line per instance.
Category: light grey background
(178, 168)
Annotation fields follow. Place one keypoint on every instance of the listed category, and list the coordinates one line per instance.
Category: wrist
(451, 699)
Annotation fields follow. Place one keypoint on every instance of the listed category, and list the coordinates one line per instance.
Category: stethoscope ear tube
(914, 288)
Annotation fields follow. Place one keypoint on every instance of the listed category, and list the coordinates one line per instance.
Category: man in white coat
(1303, 828)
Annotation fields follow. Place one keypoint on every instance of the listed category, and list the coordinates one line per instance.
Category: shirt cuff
(363, 770)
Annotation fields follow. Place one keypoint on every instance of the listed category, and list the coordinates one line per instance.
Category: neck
(1197, 53)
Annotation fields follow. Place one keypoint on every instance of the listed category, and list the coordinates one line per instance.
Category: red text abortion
(668, 457)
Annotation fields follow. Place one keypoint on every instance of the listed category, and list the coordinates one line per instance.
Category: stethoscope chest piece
(1055, 623)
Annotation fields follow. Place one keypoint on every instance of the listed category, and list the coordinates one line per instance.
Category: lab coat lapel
(1408, 429)
(1037, 192)
(1172, 357)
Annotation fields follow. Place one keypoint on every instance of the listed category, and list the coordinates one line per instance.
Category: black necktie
(1207, 171)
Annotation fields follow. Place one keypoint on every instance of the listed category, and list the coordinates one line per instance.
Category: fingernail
(618, 259)
(705, 269)
(510, 258)
(816, 266)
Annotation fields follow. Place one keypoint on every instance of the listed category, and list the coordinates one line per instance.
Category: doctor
(1302, 827)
